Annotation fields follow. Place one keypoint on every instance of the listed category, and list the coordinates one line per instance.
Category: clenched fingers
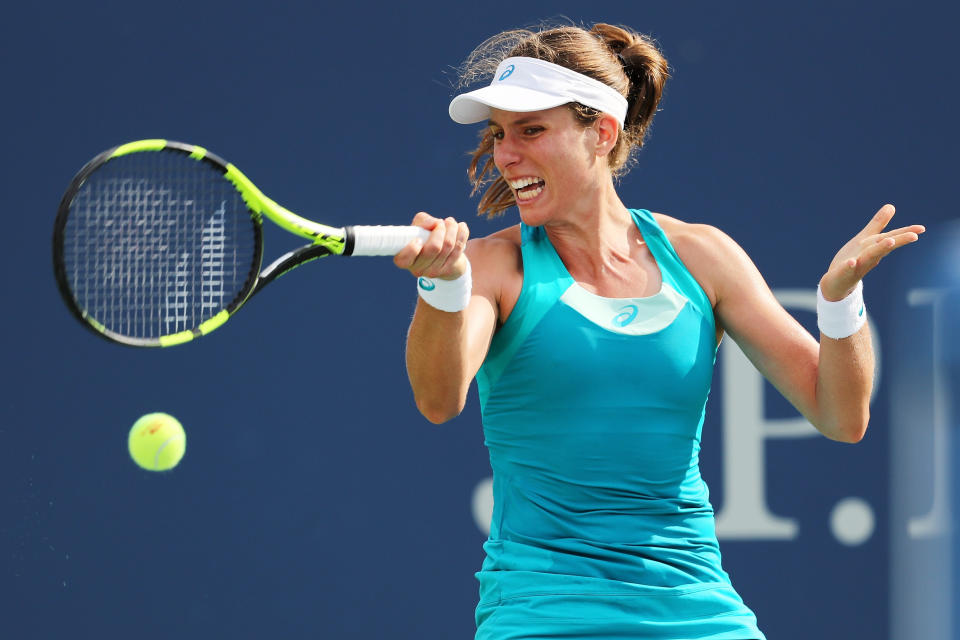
(439, 255)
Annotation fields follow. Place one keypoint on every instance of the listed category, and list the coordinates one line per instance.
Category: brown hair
(617, 56)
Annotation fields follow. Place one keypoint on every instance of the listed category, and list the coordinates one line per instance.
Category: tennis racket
(159, 242)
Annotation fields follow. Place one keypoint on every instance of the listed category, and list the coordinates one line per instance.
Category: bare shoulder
(497, 250)
(711, 255)
(694, 237)
(498, 268)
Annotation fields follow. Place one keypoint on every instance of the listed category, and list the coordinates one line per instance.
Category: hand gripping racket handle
(371, 240)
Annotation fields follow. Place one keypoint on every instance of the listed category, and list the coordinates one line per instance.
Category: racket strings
(156, 243)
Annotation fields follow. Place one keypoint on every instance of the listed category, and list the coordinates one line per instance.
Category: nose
(505, 152)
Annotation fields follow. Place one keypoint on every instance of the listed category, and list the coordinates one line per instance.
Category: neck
(596, 233)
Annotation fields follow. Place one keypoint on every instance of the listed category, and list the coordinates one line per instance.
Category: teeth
(523, 182)
(526, 195)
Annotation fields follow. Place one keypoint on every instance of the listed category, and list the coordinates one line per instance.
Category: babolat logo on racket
(426, 285)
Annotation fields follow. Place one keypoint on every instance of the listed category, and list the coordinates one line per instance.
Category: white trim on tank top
(627, 316)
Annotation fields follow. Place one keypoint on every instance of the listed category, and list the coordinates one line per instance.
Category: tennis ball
(157, 442)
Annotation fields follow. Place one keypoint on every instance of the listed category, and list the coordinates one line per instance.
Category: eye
(532, 131)
(496, 134)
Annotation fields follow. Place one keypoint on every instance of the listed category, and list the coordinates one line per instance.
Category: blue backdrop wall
(314, 501)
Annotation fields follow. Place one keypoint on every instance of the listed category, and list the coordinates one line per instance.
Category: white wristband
(843, 318)
(447, 295)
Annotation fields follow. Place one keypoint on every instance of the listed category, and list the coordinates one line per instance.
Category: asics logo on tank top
(626, 316)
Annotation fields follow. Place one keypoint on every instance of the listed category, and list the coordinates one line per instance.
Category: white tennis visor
(529, 84)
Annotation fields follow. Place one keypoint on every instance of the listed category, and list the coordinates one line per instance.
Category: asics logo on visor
(506, 73)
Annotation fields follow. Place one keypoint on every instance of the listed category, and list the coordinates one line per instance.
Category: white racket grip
(375, 240)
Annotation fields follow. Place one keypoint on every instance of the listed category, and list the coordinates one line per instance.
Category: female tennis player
(592, 329)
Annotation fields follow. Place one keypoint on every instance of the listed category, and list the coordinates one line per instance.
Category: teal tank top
(592, 414)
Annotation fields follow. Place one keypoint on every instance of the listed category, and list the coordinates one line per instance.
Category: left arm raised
(828, 382)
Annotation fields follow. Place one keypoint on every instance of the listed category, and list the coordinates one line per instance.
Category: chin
(532, 218)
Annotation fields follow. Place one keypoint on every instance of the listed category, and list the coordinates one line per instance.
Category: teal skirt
(624, 610)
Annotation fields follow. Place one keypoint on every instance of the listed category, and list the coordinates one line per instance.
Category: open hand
(864, 251)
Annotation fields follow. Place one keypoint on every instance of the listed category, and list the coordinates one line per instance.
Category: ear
(608, 132)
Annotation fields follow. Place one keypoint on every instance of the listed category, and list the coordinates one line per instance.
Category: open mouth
(527, 188)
